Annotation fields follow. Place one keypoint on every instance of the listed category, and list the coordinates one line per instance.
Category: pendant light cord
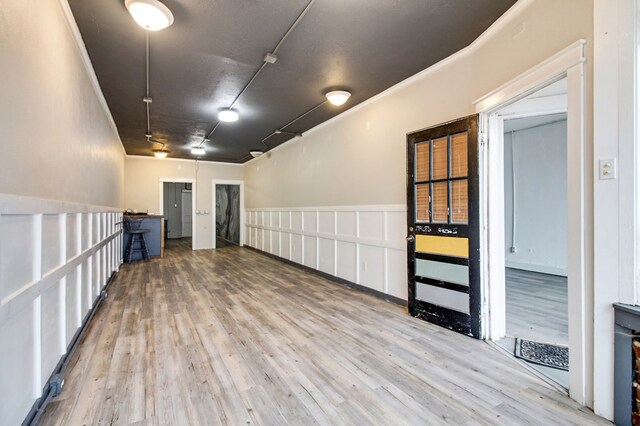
(147, 75)
(147, 98)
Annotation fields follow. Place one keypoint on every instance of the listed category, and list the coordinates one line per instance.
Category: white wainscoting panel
(55, 259)
(296, 248)
(285, 245)
(327, 256)
(310, 245)
(347, 261)
(361, 244)
(275, 243)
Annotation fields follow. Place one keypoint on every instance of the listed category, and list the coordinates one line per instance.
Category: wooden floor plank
(230, 336)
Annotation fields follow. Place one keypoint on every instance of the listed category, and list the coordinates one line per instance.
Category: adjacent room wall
(61, 187)
(541, 198)
(173, 208)
(142, 192)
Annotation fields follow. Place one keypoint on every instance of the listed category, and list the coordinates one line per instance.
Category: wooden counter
(154, 238)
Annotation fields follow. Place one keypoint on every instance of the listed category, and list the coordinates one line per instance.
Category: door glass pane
(459, 155)
(422, 161)
(440, 202)
(459, 201)
(422, 203)
(440, 158)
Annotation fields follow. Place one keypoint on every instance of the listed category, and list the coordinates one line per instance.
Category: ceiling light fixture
(160, 153)
(228, 115)
(256, 154)
(338, 97)
(150, 14)
(198, 151)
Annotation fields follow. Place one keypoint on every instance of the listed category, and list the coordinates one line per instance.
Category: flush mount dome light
(150, 14)
(198, 151)
(338, 97)
(228, 115)
(256, 154)
(160, 153)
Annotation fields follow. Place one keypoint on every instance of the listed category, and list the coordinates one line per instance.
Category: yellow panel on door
(445, 246)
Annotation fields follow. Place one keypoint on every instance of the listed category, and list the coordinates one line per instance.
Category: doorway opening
(228, 217)
(535, 231)
(177, 202)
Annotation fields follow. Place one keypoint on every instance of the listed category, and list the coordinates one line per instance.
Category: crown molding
(84, 55)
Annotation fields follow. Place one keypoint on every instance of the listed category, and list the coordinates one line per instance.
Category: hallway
(230, 336)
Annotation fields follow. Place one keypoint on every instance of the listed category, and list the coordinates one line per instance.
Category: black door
(443, 225)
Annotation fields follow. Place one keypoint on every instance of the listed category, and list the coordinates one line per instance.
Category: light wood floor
(537, 306)
(233, 337)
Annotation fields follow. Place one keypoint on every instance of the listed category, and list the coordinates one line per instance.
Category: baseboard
(561, 272)
(380, 295)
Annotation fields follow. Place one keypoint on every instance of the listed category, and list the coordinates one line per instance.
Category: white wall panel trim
(370, 252)
(45, 289)
(18, 300)
(363, 208)
(15, 204)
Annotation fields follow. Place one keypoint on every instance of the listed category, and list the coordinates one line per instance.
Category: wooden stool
(132, 227)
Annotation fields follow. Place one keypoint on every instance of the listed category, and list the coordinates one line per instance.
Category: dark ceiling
(201, 63)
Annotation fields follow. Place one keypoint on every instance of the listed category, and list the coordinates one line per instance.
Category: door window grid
(447, 198)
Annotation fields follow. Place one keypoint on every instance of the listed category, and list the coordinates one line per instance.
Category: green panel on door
(440, 271)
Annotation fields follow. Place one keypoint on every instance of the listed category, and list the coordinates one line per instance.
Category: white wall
(61, 186)
(58, 139)
(541, 198)
(143, 174)
(616, 229)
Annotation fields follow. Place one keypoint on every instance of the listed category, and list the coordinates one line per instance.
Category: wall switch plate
(608, 169)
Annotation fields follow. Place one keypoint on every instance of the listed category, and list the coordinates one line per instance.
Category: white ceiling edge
(526, 123)
(482, 39)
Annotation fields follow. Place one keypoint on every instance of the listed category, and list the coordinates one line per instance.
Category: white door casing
(569, 64)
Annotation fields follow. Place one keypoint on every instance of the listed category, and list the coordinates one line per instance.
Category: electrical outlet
(608, 169)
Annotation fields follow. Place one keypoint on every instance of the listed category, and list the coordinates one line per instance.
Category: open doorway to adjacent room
(228, 207)
(177, 206)
(533, 173)
(535, 232)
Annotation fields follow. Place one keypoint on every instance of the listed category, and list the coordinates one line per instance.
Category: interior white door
(187, 220)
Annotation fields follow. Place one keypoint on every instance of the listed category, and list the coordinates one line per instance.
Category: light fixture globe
(198, 151)
(256, 154)
(338, 97)
(160, 153)
(150, 14)
(228, 115)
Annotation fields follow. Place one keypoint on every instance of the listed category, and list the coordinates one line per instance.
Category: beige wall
(142, 192)
(359, 157)
(57, 139)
